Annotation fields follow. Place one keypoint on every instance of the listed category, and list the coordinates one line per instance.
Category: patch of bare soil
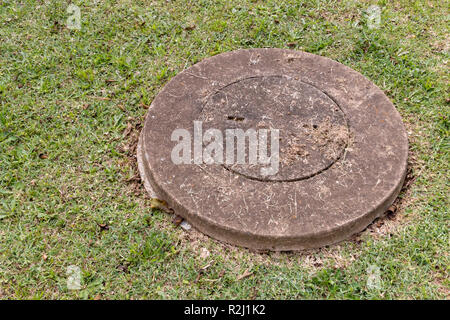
(329, 138)
(293, 151)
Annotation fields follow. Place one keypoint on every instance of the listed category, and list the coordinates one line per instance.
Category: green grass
(67, 96)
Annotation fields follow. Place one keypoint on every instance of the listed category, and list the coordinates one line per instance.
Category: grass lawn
(72, 103)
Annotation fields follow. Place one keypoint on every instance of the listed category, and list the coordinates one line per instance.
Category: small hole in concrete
(236, 118)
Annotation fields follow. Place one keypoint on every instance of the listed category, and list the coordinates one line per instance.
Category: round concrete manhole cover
(274, 149)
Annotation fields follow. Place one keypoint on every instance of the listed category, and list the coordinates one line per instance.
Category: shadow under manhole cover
(274, 149)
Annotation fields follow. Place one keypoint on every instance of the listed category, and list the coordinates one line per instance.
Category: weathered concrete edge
(142, 168)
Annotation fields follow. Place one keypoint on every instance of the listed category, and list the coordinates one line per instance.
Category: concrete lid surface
(343, 149)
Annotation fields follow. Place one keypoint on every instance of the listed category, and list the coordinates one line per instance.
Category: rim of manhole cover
(273, 149)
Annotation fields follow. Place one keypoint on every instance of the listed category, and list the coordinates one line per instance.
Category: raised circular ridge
(302, 160)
